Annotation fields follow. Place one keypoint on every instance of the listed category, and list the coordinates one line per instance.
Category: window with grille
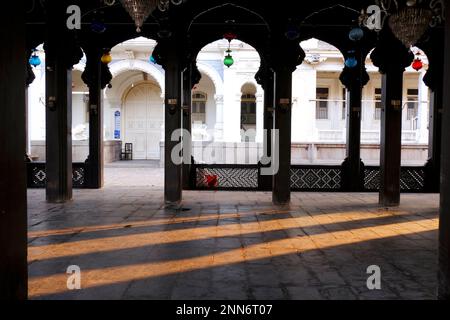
(412, 104)
(378, 104)
(322, 97)
(199, 107)
(248, 110)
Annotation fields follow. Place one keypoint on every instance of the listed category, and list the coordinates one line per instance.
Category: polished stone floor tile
(225, 245)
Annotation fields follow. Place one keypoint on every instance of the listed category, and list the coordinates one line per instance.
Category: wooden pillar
(392, 57)
(282, 126)
(265, 78)
(187, 125)
(433, 79)
(391, 137)
(433, 165)
(30, 77)
(96, 76)
(173, 122)
(61, 54)
(13, 198)
(58, 117)
(444, 221)
(354, 79)
(283, 61)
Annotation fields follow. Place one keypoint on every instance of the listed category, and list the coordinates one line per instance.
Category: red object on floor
(212, 181)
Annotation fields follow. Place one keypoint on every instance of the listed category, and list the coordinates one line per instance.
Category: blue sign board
(117, 124)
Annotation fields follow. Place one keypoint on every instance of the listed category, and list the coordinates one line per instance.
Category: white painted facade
(137, 93)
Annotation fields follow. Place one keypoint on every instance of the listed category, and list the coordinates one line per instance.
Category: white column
(259, 117)
(218, 133)
(232, 99)
(423, 111)
(304, 108)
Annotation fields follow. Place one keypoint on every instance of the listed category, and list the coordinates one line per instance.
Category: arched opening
(36, 107)
(415, 114)
(232, 103)
(319, 106)
(134, 115)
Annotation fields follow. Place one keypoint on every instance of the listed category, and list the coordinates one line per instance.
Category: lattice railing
(372, 178)
(37, 177)
(226, 177)
(316, 178)
(412, 179)
(303, 178)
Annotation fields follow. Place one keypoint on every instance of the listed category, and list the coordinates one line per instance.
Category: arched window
(248, 111)
(248, 106)
(199, 107)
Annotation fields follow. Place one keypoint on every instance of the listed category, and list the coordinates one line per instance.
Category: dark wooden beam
(96, 76)
(13, 197)
(282, 125)
(391, 138)
(392, 57)
(434, 48)
(354, 80)
(283, 59)
(60, 58)
(172, 64)
(187, 125)
(265, 78)
(444, 218)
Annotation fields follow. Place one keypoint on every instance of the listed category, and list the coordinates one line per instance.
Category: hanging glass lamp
(228, 61)
(35, 61)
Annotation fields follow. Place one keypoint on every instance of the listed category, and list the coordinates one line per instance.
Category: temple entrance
(144, 119)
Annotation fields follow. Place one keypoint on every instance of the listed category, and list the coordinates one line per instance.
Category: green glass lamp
(228, 61)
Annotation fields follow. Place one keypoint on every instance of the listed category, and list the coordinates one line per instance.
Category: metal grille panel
(372, 179)
(316, 178)
(37, 177)
(412, 179)
(227, 177)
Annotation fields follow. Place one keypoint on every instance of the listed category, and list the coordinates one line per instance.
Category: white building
(228, 100)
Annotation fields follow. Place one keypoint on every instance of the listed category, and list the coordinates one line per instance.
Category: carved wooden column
(392, 57)
(284, 62)
(170, 56)
(265, 78)
(96, 76)
(30, 77)
(61, 55)
(354, 80)
(13, 188)
(191, 76)
(433, 79)
(444, 218)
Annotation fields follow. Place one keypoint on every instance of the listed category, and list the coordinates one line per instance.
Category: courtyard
(278, 151)
(225, 245)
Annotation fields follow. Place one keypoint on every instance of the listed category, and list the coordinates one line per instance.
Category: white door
(143, 121)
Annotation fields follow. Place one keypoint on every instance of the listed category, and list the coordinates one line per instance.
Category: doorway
(144, 120)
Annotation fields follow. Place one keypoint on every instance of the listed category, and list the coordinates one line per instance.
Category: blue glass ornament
(351, 62)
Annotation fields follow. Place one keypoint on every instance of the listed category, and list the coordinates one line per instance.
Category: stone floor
(230, 245)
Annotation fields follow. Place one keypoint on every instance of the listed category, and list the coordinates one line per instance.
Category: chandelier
(140, 10)
(410, 24)
(410, 20)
